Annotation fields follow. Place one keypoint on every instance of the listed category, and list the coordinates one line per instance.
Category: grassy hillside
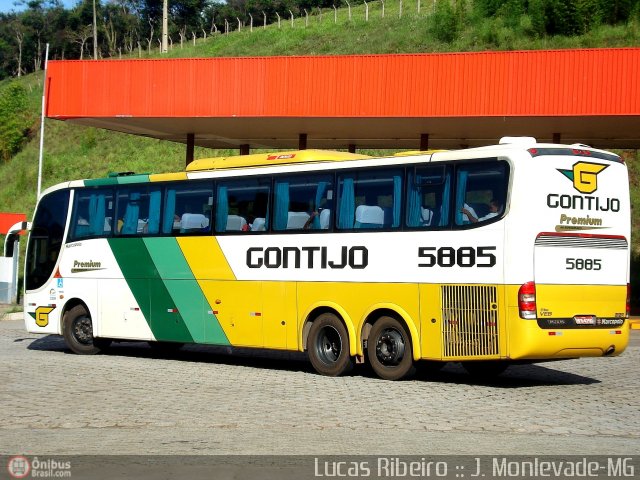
(412, 32)
(78, 152)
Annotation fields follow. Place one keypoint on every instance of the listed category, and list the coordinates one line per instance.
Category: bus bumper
(527, 340)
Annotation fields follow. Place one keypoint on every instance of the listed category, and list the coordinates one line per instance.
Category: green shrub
(16, 120)
(443, 24)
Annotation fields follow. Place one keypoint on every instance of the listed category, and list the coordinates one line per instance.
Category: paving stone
(132, 400)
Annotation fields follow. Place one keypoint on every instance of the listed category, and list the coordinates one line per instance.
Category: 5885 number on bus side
(464, 257)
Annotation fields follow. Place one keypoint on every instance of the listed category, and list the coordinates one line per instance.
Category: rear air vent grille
(469, 321)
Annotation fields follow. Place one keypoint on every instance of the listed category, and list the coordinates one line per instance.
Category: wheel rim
(390, 347)
(329, 345)
(82, 330)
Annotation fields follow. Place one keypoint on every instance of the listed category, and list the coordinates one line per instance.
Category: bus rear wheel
(77, 330)
(389, 349)
(328, 346)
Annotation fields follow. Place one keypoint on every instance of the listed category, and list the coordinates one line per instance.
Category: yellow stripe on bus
(167, 177)
(205, 258)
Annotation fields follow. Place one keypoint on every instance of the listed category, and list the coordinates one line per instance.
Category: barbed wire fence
(367, 11)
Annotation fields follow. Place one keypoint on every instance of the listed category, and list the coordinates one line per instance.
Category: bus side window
(138, 210)
(303, 203)
(242, 205)
(480, 192)
(370, 200)
(187, 208)
(428, 197)
(92, 214)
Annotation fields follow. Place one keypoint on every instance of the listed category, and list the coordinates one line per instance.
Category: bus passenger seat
(235, 223)
(258, 225)
(193, 222)
(325, 216)
(368, 216)
(427, 216)
(297, 220)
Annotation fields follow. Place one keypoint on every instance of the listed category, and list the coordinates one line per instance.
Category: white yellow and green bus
(517, 252)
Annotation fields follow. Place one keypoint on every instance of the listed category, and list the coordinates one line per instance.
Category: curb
(11, 316)
(634, 324)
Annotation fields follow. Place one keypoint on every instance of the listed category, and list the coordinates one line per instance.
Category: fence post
(382, 1)
(291, 13)
(251, 23)
(264, 23)
(418, 7)
(278, 15)
(320, 13)
(239, 24)
(400, 11)
(349, 5)
(366, 11)
(193, 34)
(335, 14)
(226, 26)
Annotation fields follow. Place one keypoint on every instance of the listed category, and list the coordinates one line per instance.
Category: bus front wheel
(328, 346)
(77, 330)
(389, 349)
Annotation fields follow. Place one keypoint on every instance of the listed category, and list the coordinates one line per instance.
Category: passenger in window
(495, 208)
(309, 223)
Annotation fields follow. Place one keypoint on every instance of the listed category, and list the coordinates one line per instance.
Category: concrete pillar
(191, 141)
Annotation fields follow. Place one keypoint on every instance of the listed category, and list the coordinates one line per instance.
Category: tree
(81, 36)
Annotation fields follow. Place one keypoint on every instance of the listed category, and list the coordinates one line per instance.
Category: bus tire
(77, 330)
(328, 346)
(485, 368)
(389, 349)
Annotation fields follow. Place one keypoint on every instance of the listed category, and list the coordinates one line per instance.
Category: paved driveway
(206, 401)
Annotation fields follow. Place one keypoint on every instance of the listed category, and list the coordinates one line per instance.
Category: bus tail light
(527, 301)
(628, 300)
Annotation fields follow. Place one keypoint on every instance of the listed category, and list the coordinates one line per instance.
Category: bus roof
(269, 159)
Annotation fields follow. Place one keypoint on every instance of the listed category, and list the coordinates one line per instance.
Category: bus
(517, 252)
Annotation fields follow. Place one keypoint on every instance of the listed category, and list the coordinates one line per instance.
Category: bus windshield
(45, 241)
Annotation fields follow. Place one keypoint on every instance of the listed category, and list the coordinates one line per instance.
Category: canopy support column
(302, 141)
(191, 141)
(424, 141)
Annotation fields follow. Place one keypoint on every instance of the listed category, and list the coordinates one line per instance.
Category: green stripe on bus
(100, 182)
(149, 290)
(143, 178)
(185, 291)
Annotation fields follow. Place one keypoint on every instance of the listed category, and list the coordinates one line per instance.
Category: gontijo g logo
(584, 176)
(42, 315)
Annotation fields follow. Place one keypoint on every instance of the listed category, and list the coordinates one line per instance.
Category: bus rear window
(481, 190)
